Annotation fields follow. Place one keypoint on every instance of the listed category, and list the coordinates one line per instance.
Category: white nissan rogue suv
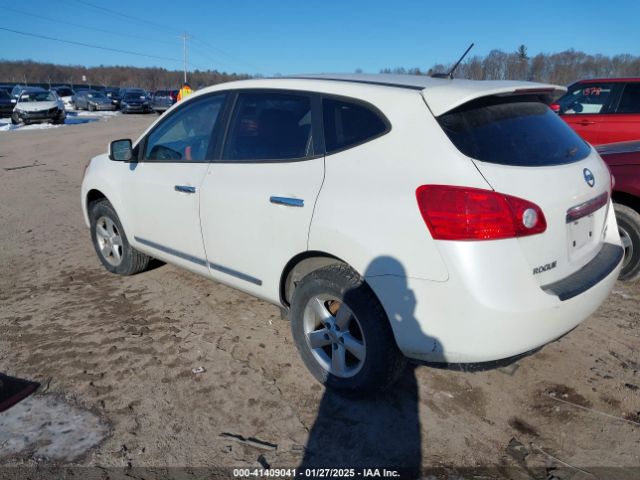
(390, 216)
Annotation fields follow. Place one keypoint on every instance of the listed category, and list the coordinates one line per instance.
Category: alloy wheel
(109, 240)
(334, 336)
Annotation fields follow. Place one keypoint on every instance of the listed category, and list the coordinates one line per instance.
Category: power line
(228, 55)
(137, 20)
(94, 29)
(123, 15)
(128, 52)
(205, 54)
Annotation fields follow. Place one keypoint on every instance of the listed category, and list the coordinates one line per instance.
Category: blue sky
(271, 37)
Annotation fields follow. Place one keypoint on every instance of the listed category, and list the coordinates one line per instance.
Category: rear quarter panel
(367, 213)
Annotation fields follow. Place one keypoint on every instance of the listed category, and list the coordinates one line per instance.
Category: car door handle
(287, 201)
(184, 189)
(586, 122)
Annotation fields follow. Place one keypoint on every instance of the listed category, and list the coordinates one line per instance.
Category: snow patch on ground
(44, 426)
(82, 113)
(73, 118)
(8, 127)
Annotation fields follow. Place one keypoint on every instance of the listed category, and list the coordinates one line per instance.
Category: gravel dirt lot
(123, 349)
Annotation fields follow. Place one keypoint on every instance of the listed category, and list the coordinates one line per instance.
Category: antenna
(450, 73)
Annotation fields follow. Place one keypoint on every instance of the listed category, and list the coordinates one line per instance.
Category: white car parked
(391, 217)
(35, 105)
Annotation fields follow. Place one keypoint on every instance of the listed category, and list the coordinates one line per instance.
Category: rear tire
(111, 243)
(352, 350)
(629, 227)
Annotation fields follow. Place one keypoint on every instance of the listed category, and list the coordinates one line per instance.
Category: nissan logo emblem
(588, 177)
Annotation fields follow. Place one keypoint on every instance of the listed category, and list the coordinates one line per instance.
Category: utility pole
(184, 38)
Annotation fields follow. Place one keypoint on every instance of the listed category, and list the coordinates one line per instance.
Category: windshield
(37, 97)
(512, 132)
(64, 92)
(134, 96)
(96, 95)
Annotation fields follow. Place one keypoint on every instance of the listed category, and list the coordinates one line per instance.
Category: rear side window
(586, 98)
(521, 133)
(630, 100)
(347, 124)
(269, 126)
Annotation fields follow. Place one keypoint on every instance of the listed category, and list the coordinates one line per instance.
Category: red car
(624, 161)
(602, 110)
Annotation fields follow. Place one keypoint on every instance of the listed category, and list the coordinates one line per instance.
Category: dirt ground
(124, 349)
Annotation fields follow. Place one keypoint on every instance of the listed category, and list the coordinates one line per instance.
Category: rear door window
(630, 99)
(347, 124)
(270, 126)
(508, 132)
(586, 98)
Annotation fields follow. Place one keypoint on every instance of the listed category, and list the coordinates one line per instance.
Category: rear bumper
(492, 306)
(458, 322)
(588, 276)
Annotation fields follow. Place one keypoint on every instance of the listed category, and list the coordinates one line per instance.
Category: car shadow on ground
(382, 431)
(379, 431)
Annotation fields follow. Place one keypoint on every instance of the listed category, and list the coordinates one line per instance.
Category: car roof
(441, 94)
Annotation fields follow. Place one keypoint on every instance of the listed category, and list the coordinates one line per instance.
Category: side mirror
(121, 150)
(13, 100)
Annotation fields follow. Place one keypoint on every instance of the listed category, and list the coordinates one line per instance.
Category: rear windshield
(522, 133)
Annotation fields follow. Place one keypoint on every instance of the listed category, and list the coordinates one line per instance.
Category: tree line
(27, 72)
(560, 68)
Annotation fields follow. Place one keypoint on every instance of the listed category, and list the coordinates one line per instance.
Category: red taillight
(555, 107)
(463, 213)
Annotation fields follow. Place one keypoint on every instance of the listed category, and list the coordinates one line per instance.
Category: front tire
(342, 333)
(15, 120)
(629, 227)
(110, 241)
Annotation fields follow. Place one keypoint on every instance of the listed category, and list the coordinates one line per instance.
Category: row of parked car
(26, 104)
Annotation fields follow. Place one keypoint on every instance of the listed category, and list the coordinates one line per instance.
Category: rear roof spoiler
(448, 96)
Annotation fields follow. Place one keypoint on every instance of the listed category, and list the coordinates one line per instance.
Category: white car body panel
(257, 246)
(153, 204)
(535, 184)
(451, 301)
